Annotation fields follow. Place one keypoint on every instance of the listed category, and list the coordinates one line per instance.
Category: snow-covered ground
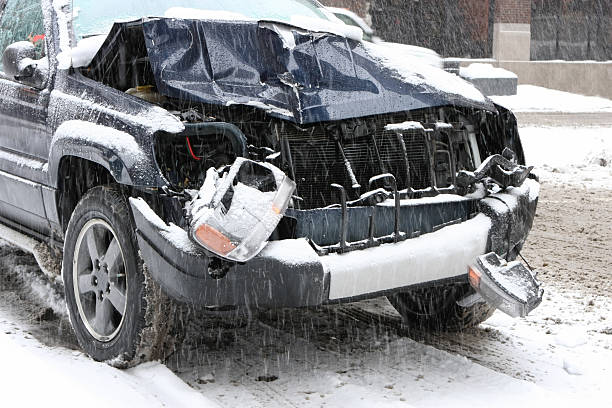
(580, 156)
(559, 356)
(35, 375)
(532, 98)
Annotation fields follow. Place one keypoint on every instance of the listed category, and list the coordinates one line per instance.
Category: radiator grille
(318, 161)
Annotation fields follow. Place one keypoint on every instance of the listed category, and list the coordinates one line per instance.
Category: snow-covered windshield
(93, 17)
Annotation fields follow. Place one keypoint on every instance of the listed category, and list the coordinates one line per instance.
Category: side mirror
(19, 63)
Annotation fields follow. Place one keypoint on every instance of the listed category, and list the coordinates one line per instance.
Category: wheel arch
(76, 176)
(129, 160)
(84, 155)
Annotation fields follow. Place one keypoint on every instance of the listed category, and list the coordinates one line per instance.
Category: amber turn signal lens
(474, 277)
(214, 240)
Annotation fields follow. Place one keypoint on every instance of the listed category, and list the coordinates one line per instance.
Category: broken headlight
(236, 211)
(507, 286)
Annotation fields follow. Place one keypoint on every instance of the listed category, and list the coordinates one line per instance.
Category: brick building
(504, 29)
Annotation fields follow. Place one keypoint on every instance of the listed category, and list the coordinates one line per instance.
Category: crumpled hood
(293, 74)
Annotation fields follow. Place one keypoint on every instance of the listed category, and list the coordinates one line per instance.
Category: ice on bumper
(235, 213)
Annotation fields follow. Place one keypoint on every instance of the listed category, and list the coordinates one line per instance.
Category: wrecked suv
(250, 154)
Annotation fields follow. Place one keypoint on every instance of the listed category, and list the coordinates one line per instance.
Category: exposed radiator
(318, 161)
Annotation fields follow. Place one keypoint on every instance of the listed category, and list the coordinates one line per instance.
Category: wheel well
(76, 177)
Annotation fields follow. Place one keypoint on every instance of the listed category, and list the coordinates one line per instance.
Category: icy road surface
(358, 355)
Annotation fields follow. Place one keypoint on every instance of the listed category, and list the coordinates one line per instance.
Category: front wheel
(436, 309)
(118, 313)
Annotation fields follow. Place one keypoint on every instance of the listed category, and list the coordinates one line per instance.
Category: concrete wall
(512, 30)
(582, 77)
(586, 78)
(512, 41)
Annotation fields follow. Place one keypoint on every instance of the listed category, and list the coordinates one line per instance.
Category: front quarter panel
(95, 122)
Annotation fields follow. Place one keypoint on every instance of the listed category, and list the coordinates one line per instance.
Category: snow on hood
(85, 51)
(323, 26)
(417, 72)
(87, 48)
(409, 52)
(290, 73)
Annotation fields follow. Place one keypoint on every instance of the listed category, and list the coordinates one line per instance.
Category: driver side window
(22, 20)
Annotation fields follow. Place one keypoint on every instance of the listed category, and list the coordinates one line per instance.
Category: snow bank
(565, 352)
(567, 155)
(34, 375)
(419, 73)
(537, 99)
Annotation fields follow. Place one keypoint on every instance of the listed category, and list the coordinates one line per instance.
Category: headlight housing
(235, 213)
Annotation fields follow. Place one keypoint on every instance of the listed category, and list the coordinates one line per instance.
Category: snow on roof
(333, 26)
(360, 21)
(201, 14)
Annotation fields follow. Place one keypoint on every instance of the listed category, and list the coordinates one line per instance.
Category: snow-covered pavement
(35, 375)
(335, 357)
(578, 156)
(532, 98)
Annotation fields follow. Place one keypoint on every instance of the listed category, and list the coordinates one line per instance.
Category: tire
(436, 309)
(118, 313)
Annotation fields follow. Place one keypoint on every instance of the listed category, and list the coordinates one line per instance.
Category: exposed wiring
(527, 263)
(196, 158)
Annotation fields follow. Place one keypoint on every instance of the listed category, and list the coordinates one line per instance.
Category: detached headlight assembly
(235, 213)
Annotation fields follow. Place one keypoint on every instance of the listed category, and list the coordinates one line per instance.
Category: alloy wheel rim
(99, 279)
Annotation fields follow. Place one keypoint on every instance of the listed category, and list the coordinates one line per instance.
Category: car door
(23, 130)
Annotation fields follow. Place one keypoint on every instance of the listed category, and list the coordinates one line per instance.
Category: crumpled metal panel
(322, 78)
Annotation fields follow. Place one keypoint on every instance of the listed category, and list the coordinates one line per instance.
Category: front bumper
(289, 273)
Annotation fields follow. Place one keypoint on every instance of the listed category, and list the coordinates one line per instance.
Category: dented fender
(115, 150)
(108, 127)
